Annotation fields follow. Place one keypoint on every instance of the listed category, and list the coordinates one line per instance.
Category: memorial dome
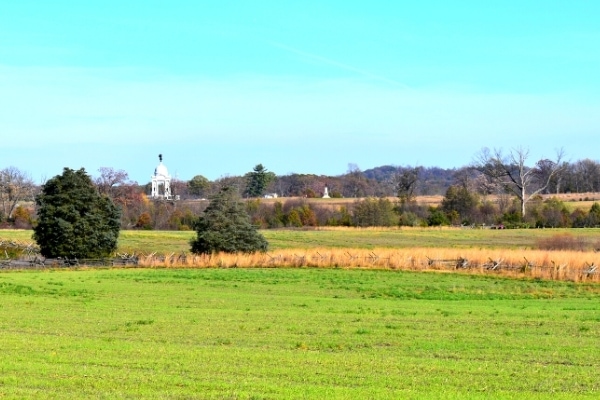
(161, 170)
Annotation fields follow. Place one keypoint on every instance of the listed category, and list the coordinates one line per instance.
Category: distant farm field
(295, 333)
(367, 238)
(571, 200)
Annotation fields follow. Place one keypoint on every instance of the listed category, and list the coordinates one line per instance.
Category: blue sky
(308, 87)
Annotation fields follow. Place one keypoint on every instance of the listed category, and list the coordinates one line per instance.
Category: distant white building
(270, 196)
(161, 182)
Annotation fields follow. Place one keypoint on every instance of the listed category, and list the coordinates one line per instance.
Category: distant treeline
(382, 196)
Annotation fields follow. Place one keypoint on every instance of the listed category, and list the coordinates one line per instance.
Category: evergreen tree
(593, 218)
(257, 181)
(198, 185)
(459, 200)
(74, 219)
(437, 217)
(225, 227)
(374, 212)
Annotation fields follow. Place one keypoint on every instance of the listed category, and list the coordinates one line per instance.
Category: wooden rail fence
(30, 258)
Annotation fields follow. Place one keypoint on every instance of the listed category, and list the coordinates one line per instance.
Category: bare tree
(404, 182)
(354, 182)
(15, 186)
(588, 175)
(109, 178)
(549, 172)
(237, 183)
(511, 172)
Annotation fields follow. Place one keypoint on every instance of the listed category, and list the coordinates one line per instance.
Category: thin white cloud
(338, 64)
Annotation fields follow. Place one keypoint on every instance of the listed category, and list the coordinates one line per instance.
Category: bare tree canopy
(511, 173)
(15, 186)
(354, 182)
(585, 176)
(404, 181)
(109, 178)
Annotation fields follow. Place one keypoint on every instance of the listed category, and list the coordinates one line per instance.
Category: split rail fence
(29, 258)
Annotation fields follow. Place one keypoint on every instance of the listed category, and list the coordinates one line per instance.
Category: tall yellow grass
(553, 265)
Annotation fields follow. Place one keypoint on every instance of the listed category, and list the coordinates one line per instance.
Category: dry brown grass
(588, 196)
(433, 200)
(437, 199)
(554, 265)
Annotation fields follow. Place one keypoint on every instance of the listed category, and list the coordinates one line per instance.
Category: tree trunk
(523, 201)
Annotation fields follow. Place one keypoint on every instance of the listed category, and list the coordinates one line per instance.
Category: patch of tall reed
(543, 264)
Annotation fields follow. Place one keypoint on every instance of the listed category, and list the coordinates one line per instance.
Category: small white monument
(161, 182)
(326, 193)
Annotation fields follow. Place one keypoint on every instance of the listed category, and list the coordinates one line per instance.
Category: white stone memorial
(161, 182)
(326, 193)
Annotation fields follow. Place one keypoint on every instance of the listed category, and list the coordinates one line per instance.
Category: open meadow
(340, 325)
(295, 333)
(143, 241)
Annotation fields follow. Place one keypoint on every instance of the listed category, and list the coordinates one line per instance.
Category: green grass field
(299, 333)
(295, 333)
(178, 241)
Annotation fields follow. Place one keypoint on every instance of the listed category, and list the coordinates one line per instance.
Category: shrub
(374, 212)
(408, 218)
(144, 221)
(594, 215)
(22, 218)
(563, 241)
(437, 218)
(225, 227)
(293, 219)
(74, 219)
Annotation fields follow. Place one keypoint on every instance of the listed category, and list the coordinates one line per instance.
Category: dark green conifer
(257, 181)
(225, 227)
(74, 219)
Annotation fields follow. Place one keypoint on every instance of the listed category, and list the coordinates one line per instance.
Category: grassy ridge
(175, 241)
(417, 237)
(306, 333)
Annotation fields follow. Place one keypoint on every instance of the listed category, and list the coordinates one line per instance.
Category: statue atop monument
(326, 193)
